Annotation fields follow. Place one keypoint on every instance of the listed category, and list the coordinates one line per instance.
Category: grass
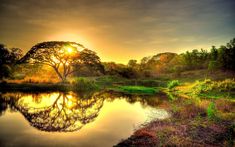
(192, 124)
(84, 84)
(211, 111)
(32, 87)
(207, 89)
(136, 89)
(173, 84)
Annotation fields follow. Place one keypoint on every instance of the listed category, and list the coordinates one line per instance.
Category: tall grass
(211, 111)
(173, 84)
(84, 84)
(137, 89)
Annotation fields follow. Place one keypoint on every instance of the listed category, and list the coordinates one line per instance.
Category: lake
(74, 119)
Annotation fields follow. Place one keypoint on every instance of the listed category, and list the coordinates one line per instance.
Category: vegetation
(173, 84)
(83, 84)
(136, 89)
(211, 111)
(197, 87)
(61, 56)
(8, 57)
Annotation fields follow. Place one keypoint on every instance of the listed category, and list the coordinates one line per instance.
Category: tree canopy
(61, 56)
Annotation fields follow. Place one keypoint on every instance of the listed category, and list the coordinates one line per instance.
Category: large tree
(61, 56)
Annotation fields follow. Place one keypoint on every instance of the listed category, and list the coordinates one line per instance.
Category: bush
(208, 86)
(211, 111)
(173, 84)
(83, 84)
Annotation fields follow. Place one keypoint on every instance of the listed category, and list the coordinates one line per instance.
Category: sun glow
(69, 50)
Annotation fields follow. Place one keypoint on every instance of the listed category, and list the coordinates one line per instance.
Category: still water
(70, 119)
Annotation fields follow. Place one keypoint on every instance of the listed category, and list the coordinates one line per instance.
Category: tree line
(221, 58)
(66, 59)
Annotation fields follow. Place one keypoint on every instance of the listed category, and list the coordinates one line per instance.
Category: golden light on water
(82, 117)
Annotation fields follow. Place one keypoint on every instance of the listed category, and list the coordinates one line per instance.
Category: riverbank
(109, 83)
(202, 114)
(189, 125)
(186, 132)
(32, 87)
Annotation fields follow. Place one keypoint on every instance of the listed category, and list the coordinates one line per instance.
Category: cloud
(119, 25)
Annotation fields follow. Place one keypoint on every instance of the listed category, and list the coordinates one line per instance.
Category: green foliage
(212, 65)
(84, 84)
(171, 96)
(137, 89)
(208, 85)
(195, 59)
(211, 111)
(173, 84)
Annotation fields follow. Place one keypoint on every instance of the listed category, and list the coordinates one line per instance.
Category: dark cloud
(139, 27)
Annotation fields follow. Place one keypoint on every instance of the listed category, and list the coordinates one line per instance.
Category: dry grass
(181, 133)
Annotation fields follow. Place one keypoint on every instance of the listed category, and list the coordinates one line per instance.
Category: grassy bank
(192, 123)
(136, 90)
(202, 114)
(31, 87)
(114, 83)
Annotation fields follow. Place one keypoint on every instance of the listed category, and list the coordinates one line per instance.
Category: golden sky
(119, 30)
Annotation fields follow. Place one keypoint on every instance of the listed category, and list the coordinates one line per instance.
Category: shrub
(208, 86)
(173, 84)
(211, 111)
(83, 84)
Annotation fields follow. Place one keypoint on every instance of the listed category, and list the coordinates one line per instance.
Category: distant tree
(90, 59)
(226, 56)
(128, 72)
(61, 56)
(8, 57)
(213, 54)
(132, 63)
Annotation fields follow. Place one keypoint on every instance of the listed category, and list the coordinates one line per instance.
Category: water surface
(69, 119)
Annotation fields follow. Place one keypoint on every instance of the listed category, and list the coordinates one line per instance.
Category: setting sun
(69, 50)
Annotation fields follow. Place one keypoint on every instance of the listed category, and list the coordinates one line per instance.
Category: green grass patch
(173, 84)
(136, 89)
(217, 95)
(211, 111)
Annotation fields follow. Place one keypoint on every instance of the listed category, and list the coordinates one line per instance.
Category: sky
(119, 30)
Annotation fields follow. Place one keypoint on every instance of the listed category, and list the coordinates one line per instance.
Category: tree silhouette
(63, 57)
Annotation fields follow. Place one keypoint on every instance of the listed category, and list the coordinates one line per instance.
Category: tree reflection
(7, 102)
(63, 112)
(66, 112)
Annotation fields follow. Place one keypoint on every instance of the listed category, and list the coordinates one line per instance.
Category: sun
(69, 50)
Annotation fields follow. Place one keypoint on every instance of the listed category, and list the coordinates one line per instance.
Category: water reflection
(105, 117)
(67, 112)
(54, 112)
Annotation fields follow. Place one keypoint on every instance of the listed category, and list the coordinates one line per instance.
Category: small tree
(61, 56)
(8, 58)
